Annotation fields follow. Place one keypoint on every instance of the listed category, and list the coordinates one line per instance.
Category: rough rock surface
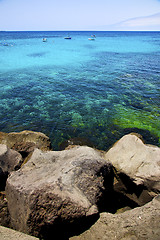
(141, 223)
(10, 234)
(4, 214)
(137, 166)
(10, 160)
(57, 188)
(25, 141)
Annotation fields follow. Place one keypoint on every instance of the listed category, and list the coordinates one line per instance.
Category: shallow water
(97, 90)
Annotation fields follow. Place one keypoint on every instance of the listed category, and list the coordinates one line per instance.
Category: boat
(44, 40)
(92, 38)
(67, 37)
(5, 44)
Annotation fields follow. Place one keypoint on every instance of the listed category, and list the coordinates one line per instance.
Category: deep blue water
(96, 90)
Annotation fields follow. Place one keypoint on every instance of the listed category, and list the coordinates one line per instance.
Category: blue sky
(79, 15)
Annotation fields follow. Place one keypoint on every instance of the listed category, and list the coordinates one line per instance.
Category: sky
(54, 15)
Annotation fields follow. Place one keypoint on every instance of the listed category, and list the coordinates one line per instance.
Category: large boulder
(137, 168)
(10, 160)
(25, 141)
(140, 223)
(57, 191)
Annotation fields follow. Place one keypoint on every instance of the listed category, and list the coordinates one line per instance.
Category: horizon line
(80, 30)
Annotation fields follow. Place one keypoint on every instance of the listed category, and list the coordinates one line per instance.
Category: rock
(56, 192)
(10, 160)
(137, 224)
(4, 213)
(137, 168)
(8, 234)
(25, 141)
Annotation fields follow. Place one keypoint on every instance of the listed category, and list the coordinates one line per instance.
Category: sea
(79, 90)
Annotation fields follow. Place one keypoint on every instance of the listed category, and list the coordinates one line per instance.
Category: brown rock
(57, 190)
(25, 140)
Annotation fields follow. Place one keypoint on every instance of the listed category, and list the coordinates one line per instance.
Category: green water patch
(127, 117)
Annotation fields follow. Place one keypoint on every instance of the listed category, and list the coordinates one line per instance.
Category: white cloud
(147, 23)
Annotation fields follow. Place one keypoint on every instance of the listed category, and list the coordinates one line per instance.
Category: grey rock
(57, 189)
(137, 168)
(141, 223)
(10, 160)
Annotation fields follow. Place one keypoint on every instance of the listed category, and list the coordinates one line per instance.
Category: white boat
(92, 38)
(44, 40)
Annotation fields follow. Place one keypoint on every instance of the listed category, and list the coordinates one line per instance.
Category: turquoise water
(96, 90)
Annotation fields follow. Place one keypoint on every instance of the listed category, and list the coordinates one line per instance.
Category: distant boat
(67, 37)
(92, 38)
(44, 40)
(5, 44)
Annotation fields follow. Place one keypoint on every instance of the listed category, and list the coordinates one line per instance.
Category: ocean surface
(89, 91)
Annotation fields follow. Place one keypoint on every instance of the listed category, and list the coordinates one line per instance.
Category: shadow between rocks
(63, 230)
(3, 179)
(136, 193)
(130, 186)
(115, 201)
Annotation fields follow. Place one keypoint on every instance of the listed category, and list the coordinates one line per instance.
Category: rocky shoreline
(79, 192)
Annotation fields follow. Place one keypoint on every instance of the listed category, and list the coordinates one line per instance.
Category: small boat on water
(67, 37)
(5, 44)
(92, 38)
(44, 39)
